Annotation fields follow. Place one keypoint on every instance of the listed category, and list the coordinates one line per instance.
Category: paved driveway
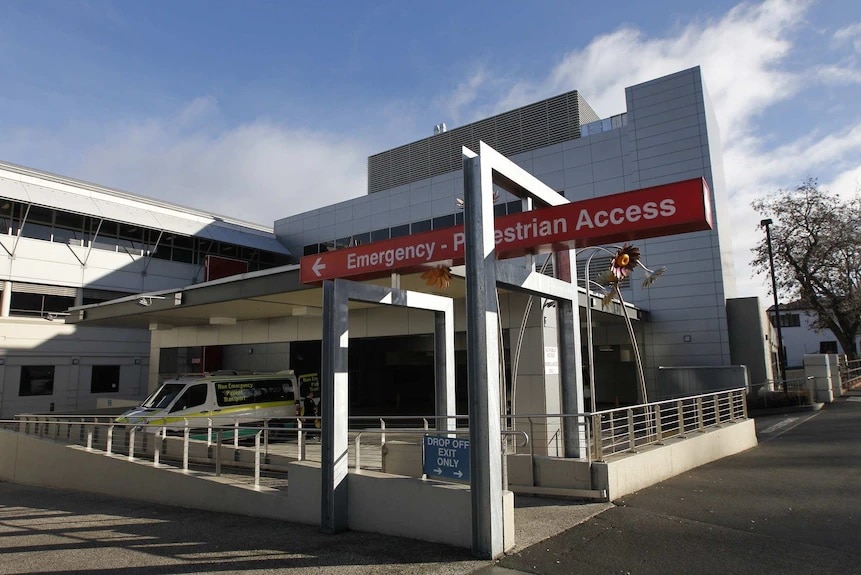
(792, 505)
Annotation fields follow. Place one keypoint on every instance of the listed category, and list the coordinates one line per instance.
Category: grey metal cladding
(531, 127)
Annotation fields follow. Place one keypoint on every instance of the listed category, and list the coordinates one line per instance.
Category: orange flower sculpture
(627, 258)
(439, 277)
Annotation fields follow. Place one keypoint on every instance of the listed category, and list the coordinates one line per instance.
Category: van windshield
(163, 396)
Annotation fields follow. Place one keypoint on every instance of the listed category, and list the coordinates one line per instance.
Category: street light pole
(781, 364)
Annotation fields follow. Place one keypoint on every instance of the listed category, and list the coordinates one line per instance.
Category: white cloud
(748, 62)
(850, 34)
(258, 171)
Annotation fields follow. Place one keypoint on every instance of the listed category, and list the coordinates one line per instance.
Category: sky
(263, 109)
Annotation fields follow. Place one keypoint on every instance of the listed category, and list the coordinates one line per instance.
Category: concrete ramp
(381, 503)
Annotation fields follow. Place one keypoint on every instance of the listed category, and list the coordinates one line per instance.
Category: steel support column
(334, 402)
(570, 359)
(482, 361)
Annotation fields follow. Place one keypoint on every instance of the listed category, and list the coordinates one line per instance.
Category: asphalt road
(791, 506)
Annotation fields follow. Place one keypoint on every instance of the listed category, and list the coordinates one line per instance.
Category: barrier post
(632, 441)
(700, 425)
(132, 444)
(185, 447)
(257, 459)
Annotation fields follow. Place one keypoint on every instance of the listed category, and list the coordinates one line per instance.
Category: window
(38, 224)
(422, 226)
(443, 222)
(105, 379)
(37, 380)
(257, 391)
(163, 395)
(398, 231)
(379, 235)
(827, 347)
(787, 320)
(23, 303)
(68, 228)
(193, 396)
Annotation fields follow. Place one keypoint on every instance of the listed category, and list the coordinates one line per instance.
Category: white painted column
(6, 299)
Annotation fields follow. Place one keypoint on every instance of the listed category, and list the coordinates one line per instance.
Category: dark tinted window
(37, 380)
(105, 379)
(193, 396)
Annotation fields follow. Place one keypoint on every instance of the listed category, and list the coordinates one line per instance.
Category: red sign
(658, 211)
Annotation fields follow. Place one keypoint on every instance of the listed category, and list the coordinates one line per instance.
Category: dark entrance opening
(388, 375)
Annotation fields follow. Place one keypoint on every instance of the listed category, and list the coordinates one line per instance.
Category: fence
(261, 450)
(850, 372)
(631, 428)
(792, 392)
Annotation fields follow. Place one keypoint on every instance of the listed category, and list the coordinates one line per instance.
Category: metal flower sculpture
(440, 277)
(627, 258)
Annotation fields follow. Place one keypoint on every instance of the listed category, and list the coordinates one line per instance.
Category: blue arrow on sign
(445, 457)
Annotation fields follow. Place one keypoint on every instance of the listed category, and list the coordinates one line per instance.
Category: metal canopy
(260, 295)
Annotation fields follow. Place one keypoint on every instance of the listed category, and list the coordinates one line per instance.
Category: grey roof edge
(59, 179)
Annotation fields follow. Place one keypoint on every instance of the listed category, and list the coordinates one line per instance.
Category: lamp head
(766, 222)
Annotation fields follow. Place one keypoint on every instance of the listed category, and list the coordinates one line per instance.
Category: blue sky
(263, 109)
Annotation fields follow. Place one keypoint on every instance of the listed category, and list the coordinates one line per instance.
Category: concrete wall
(620, 475)
(72, 352)
(393, 505)
(824, 370)
(628, 473)
(748, 336)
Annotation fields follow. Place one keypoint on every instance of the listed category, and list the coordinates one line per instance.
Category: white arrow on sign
(437, 470)
(318, 266)
(458, 474)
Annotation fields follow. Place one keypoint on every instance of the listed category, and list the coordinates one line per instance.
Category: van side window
(247, 392)
(193, 396)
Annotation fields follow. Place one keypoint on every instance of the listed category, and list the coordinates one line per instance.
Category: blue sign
(446, 457)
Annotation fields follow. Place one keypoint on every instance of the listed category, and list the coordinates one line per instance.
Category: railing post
(257, 459)
(659, 432)
(383, 434)
(731, 401)
(532, 464)
(235, 434)
(89, 437)
(700, 423)
(208, 432)
(632, 441)
(598, 437)
(716, 406)
(218, 453)
(266, 440)
(156, 449)
(131, 444)
(300, 441)
(680, 406)
(744, 405)
(110, 443)
(185, 433)
(358, 442)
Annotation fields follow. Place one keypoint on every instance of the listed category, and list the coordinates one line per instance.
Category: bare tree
(816, 239)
